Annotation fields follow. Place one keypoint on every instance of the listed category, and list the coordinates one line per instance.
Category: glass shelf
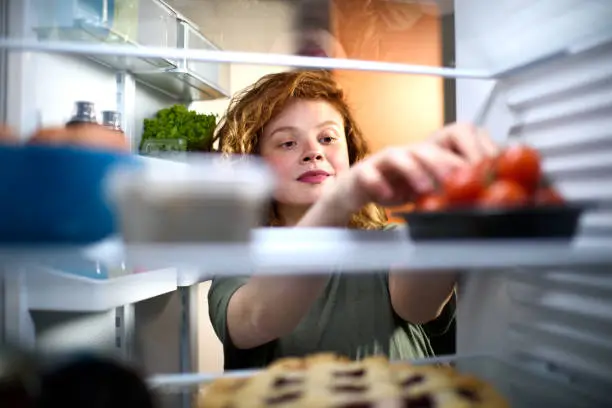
(90, 34)
(132, 26)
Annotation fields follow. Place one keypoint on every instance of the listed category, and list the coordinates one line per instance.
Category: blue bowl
(56, 195)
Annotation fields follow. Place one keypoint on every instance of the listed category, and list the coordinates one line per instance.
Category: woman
(300, 124)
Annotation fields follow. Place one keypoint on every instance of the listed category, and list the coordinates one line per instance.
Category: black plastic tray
(532, 222)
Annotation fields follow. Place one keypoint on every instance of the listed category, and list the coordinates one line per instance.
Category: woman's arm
(420, 297)
(269, 307)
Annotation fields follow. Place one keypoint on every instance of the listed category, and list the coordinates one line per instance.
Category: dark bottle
(112, 120)
(84, 113)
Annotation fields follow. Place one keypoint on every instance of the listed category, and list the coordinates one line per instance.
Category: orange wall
(391, 109)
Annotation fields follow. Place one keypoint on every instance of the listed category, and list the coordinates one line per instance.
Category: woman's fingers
(395, 175)
(402, 171)
(470, 142)
(368, 184)
(461, 139)
(487, 144)
(437, 161)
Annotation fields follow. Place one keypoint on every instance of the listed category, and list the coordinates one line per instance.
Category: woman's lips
(313, 177)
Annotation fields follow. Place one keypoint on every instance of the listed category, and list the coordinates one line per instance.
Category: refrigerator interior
(534, 318)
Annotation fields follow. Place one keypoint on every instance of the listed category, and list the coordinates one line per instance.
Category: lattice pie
(328, 381)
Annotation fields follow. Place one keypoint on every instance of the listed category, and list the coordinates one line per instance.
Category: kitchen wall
(391, 109)
(242, 25)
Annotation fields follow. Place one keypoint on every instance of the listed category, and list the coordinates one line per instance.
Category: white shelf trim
(279, 251)
(52, 290)
(238, 57)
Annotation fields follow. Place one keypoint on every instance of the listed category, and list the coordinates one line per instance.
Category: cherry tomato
(548, 196)
(464, 186)
(431, 202)
(504, 194)
(520, 164)
(486, 168)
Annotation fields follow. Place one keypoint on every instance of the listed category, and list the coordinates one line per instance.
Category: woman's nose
(312, 156)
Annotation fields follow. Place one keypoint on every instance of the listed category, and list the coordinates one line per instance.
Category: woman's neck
(290, 215)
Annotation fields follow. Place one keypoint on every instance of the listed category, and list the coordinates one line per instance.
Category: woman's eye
(327, 139)
(288, 145)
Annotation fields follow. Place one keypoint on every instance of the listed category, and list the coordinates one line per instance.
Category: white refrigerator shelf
(51, 290)
(236, 57)
(324, 250)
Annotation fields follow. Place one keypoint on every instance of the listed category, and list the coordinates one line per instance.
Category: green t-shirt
(353, 317)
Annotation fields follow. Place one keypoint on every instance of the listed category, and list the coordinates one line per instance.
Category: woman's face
(306, 147)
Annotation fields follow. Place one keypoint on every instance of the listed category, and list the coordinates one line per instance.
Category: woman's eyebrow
(283, 129)
(328, 123)
(293, 128)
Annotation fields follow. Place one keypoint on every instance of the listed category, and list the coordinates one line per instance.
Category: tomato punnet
(432, 202)
(504, 194)
(464, 186)
(548, 196)
(521, 164)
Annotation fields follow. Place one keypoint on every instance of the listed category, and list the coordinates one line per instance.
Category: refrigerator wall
(554, 60)
(3, 59)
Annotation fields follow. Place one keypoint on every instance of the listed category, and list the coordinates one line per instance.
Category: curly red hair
(241, 127)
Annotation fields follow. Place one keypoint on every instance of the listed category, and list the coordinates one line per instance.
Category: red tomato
(520, 164)
(486, 168)
(548, 196)
(431, 202)
(464, 186)
(504, 194)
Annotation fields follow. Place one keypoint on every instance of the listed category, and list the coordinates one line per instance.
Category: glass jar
(112, 120)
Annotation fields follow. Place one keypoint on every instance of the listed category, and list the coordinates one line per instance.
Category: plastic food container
(206, 198)
(554, 222)
(55, 194)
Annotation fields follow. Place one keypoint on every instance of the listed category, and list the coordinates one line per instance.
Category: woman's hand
(397, 175)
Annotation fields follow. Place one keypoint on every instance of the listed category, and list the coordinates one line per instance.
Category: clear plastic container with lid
(207, 198)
